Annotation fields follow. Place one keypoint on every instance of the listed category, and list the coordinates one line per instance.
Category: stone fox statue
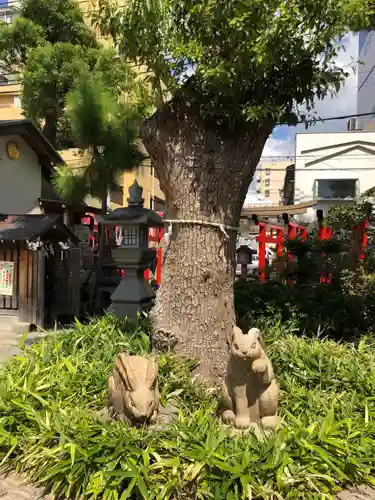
(250, 392)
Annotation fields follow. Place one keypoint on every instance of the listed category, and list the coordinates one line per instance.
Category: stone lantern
(132, 254)
(244, 257)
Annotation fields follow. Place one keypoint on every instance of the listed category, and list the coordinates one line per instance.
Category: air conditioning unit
(352, 124)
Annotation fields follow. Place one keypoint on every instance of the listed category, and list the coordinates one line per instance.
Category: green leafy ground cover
(50, 426)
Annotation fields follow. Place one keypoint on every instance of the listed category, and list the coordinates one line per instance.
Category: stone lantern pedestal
(134, 293)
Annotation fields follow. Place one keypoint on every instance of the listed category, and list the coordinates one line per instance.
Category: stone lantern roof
(134, 213)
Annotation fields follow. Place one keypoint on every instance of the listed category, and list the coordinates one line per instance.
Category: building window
(5, 17)
(267, 182)
(267, 193)
(267, 171)
(17, 102)
(337, 189)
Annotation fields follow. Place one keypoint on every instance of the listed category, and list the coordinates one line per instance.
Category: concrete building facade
(270, 177)
(366, 80)
(333, 168)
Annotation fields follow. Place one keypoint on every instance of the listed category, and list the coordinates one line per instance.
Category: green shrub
(345, 311)
(51, 429)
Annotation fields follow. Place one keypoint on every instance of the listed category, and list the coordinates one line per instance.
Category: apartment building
(10, 86)
(11, 109)
(270, 180)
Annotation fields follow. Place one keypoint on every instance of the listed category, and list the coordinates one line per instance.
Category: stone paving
(15, 487)
(9, 342)
(359, 493)
(8, 345)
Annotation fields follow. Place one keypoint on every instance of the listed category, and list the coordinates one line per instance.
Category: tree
(252, 65)
(50, 44)
(40, 22)
(48, 76)
(60, 20)
(50, 72)
(348, 215)
(73, 187)
(107, 131)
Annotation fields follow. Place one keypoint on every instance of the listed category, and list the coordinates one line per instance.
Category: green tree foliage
(48, 76)
(15, 42)
(60, 20)
(346, 216)
(251, 61)
(50, 72)
(39, 22)
(72, 186)
(108, 131)
(50, 44)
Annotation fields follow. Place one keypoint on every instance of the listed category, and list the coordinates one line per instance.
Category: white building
(8, 10)
(366, 79)
(333, 168)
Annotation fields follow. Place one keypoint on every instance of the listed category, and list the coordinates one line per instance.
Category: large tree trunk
(205, 174)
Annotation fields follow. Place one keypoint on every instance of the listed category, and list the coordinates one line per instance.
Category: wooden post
(279, 251)
(291, 237)
(325, 234)
(158, 265)
(262, 251)
(159, 258)
(364, 228)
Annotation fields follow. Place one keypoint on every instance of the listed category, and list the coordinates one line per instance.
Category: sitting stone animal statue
(250, 392)
(133, 393)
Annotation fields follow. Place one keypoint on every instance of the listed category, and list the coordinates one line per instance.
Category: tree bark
(50, 127)
(205, 173)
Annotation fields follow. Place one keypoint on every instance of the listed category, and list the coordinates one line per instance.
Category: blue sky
(281, 144)
(280, 133)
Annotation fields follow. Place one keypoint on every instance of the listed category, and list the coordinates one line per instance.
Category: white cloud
(344, 103)
(280, 147)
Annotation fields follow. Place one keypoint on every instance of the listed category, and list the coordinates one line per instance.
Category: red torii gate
(275, 234)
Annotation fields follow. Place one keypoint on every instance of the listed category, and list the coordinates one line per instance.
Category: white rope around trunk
(219, 225)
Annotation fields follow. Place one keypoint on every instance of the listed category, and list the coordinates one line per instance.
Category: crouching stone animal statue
(250, 392)
(133, 394)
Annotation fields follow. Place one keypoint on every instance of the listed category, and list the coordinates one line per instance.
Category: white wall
(20, 180)
(366, 79)
(332, 162)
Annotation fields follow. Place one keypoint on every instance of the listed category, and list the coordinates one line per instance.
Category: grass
(50, 426)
